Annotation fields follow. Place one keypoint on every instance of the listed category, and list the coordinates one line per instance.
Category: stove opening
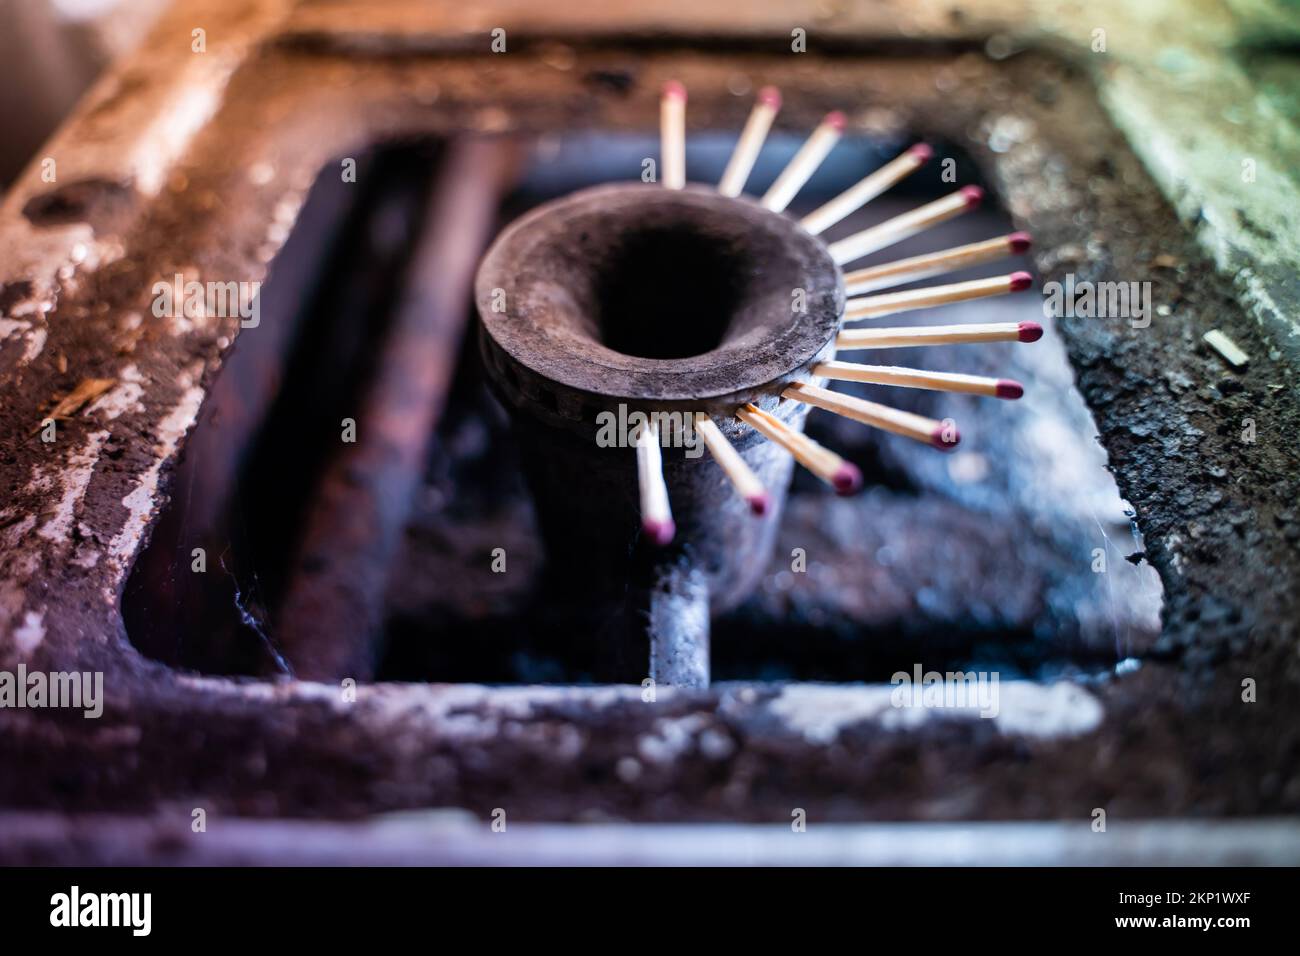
(1015, 553)
(667, 292)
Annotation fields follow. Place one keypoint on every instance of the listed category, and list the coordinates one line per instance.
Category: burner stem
(679, 628)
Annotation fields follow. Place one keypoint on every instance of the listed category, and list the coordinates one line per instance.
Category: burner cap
(643, 294)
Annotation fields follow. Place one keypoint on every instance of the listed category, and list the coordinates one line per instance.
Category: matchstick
(941, 435)
(841, 475)
(920, 378)
(908, 224)
(672, 133)
(656, 515)
(931, 264)
(741, 475)
(910, 335)
(890, 303)
(867, 189)
(805, 162)
(751, 140)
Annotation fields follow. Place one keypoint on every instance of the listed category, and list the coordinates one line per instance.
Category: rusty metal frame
(190, 162)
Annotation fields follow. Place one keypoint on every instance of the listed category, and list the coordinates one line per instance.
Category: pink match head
(1019, 242)
(770, 96)
(921, 152)
(1030, 331)
(974, 195)
(674, 91)
(1009, 388)
(847, 479)
(945, 437)
(759, 503)
(659, 532)
(1020, 281)
(836, 121)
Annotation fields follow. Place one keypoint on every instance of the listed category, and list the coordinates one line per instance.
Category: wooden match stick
(741, 475)
(841, 475)
(751, 141)
(908, 224)
(874, 306)
(867, 189)
(656, 515)
(938, 335)
(918, 427)
(805, 162)
(903, 271)
(672, 133)
(920, 378)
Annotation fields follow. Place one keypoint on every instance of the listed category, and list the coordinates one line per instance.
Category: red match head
(945, 437)
(770, 96)
(659, 532)
(1030, 331)
(847, 479)
(1020, 281)
(759, 503)
(921, 152)
(1020, 242)
(674, 90)
(836, 121)
(1009, 388)
(974, 195)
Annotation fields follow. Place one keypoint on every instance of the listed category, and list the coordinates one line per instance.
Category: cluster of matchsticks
(843, 476)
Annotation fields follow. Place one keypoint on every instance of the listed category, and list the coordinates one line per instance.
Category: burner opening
(668, 292)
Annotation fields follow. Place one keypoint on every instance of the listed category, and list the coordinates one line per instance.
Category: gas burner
(675, 318)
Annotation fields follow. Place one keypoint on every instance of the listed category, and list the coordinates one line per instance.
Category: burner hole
(667, 293)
